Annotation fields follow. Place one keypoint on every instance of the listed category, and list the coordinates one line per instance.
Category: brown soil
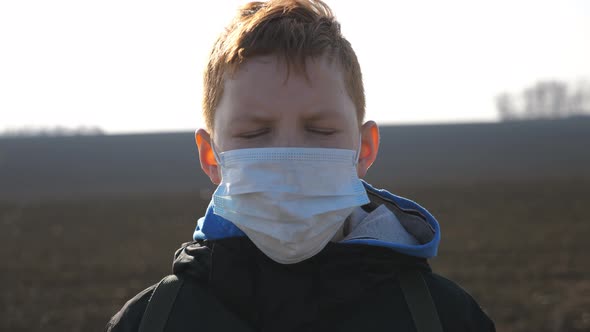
(519, 248)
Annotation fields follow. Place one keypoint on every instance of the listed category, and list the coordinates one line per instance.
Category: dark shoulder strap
(419, 301)
(160, 304)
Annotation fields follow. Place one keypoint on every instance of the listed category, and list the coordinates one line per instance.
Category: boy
(293, 240)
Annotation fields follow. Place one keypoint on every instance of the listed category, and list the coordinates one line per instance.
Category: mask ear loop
(215, 154)
(358, 151)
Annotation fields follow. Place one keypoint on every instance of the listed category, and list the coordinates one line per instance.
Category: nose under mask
(289, 201)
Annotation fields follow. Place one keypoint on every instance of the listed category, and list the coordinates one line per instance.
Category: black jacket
(345, 287)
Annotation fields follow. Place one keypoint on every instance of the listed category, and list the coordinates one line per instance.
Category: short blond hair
(294, 30)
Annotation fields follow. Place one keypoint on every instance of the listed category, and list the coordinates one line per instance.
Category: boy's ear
(369, 147)
(206, 156)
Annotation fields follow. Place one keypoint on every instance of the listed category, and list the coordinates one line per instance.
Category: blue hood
(416, 220)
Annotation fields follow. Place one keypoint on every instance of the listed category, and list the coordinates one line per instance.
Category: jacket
(351, 285)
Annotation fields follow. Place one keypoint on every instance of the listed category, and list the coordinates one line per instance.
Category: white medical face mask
(289, 201)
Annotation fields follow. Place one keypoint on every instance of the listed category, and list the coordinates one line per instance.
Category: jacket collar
(214, 227)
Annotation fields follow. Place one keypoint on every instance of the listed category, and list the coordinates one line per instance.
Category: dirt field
(520, 248)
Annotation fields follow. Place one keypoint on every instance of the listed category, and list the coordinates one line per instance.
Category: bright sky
(136, 66)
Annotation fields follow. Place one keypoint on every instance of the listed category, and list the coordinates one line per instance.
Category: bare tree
(579, 101)
(506, 107)
(545, 100)
(51, 131)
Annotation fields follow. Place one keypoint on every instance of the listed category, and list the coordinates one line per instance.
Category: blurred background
(484, 111)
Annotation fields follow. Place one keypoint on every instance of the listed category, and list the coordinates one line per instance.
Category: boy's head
(283, 75)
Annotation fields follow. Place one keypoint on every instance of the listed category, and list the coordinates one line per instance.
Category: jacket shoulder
(457, 309)
(130, 315)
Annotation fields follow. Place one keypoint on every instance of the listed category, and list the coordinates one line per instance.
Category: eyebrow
(261, 117)
(322, 114)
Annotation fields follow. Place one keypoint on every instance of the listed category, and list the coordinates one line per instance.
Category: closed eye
(254, 134)
(322, 131)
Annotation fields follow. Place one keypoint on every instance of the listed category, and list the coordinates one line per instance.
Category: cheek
(221, 140)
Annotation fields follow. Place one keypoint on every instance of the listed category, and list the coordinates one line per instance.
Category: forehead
(268, 86)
